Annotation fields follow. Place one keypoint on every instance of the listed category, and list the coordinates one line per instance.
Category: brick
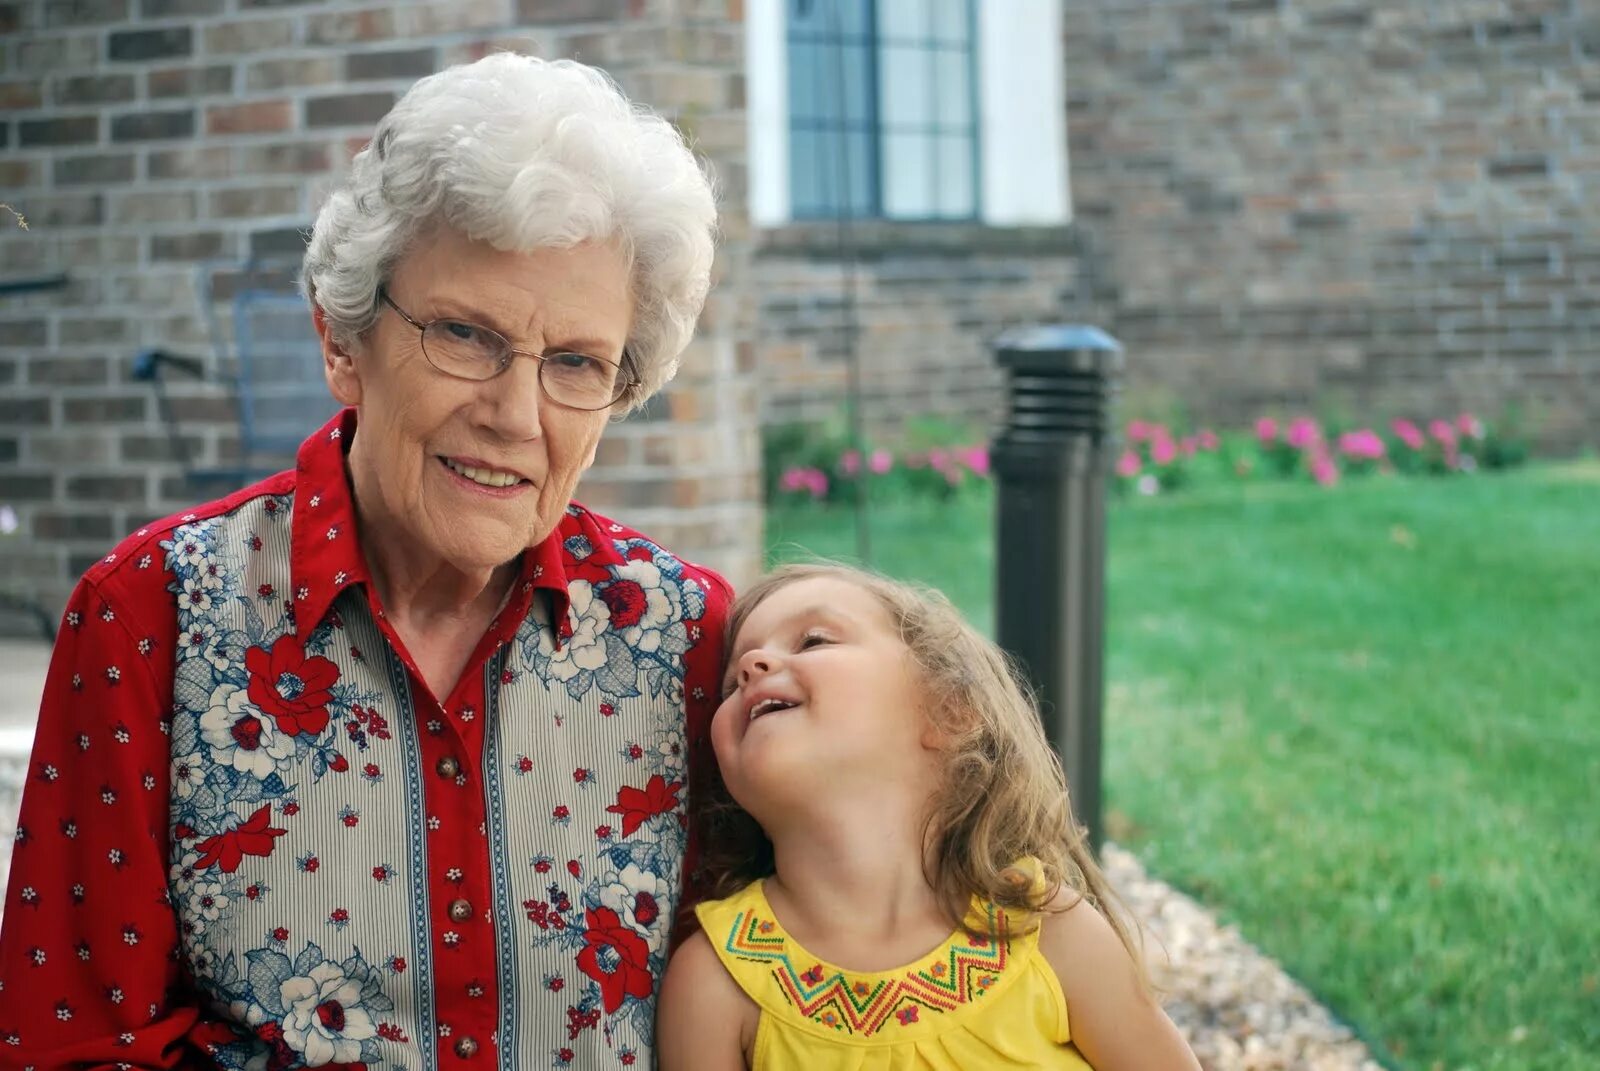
(283, 241)
(153, 126)
(96, 330)
(65, 210)
(24, 411)
(68, 371)
(254, 202)
(407, 64)
(154, 206)
(26, 487)
(348, 27)
(143, 447)
(79, 446)
(9, 451)
(22, 334)
(107, 488)
(293, 158)
(100, 170)
(1526, 165)
(65, 130)
(201, 162)
(104, 410)
(165, 9)
(197, 246)
(94, 89)
(204, 409)
(547, 11)
(20, 96)
(246, 5)
(51, 55)
(256, 117)
(84, 12)
(256, 35)
(210, 81)
(294, 73)
(348, 109)
(132, 46)
(50, 525)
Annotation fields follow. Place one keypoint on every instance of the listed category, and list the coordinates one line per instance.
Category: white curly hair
(525, 154)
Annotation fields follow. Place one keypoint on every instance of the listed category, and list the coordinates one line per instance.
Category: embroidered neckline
(918, 996)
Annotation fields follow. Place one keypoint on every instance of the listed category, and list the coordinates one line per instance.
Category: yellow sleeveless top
(990, 1001)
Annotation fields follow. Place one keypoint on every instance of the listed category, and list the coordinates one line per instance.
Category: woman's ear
(338, 363)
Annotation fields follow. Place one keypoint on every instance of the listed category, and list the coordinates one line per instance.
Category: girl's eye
(812, 639)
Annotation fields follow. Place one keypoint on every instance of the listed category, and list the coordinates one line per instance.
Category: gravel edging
(1237, 1007)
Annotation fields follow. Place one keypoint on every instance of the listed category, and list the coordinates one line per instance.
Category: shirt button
(447, 767)
(460, 910)
(466, 1048)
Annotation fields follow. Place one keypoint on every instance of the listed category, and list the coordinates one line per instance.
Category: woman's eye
(812, 639)
(460, 332)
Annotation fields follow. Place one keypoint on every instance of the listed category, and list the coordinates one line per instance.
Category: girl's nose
(753, 664)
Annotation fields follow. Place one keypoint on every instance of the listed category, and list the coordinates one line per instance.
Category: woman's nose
(513, 401)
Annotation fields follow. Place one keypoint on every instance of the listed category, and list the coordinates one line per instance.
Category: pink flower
(1408, 433)
(1139, 431)
(850, 462)
(880, 462)
(1128, 464)
(1267, 430)
(1303, 432)
(1163, 451)
(975, 458)
(938, 459)
(1363, 445)
(1189, 444)
(1470, 426)
(1208, 440)
(1324, 470)
(1442, 431)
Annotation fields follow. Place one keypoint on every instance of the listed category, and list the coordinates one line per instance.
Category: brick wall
(921, 305)
(1382, 205)
(143, 137)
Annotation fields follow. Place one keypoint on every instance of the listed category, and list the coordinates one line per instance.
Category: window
(882, 109)
(919, 110)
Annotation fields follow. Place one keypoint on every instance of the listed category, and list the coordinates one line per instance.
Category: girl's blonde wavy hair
(1002, 796)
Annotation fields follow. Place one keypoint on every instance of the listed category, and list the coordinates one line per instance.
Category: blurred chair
(279, 389)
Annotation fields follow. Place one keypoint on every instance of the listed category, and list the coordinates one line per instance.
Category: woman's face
(419, 428)
(820, 695)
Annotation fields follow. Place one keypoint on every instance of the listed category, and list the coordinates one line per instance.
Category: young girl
(903, 885)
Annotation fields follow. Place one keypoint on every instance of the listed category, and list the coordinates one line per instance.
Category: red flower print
(524, 764)
(579, 1021)
(281, 934)
(264, 591)
(813, 976)
(615, 957)
(290, 687)
(606, 710)
(555, 983)
(183, 831)
(603, 832)
(397, 964)
(291, 809)
(629, 1059)
(907, 1016)
(637, 806)
(338, 764)
(627, 602)
(575, 869)
(253, 837)
(542, 866)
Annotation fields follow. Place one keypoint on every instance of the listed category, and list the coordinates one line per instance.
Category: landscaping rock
(1237, 1007)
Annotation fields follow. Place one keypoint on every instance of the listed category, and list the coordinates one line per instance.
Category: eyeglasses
(470, 351)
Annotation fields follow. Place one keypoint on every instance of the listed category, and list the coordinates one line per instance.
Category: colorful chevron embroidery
(959, 974)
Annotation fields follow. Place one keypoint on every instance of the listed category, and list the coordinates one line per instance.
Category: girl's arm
(704, 1021)
(1116, 1022)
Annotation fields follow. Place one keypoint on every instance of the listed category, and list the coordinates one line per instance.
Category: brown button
(466, 1048)
(460, 910)
(447, 767)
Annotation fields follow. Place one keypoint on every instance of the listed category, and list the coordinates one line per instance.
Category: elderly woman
(382, 760)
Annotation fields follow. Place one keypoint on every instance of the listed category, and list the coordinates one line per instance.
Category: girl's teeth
(487, 477)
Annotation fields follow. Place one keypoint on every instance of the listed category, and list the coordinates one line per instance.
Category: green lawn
(1362, 724)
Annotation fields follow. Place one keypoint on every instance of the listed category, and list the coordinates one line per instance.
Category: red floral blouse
(253, 838)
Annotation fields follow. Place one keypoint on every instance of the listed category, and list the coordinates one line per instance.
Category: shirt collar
(325, 553)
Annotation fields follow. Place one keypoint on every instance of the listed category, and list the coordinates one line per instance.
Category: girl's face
(820, 695)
